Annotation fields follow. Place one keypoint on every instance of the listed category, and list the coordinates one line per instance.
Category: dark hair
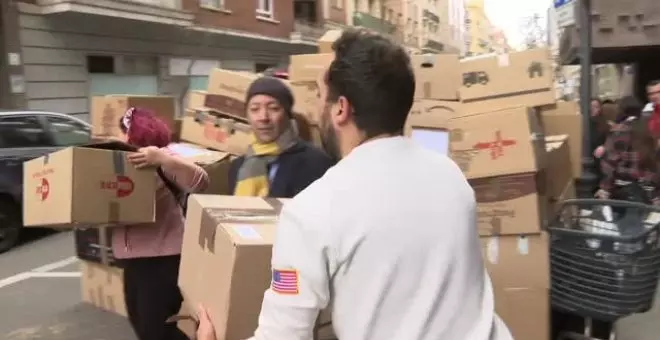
(375, 76)
(607, 101)
(653, 83)
(146, 129)
(643, 144)
(629, 106)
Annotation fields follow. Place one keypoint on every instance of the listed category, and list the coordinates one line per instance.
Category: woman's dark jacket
(297, 168)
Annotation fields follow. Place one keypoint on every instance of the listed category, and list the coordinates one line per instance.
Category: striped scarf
(252, 178)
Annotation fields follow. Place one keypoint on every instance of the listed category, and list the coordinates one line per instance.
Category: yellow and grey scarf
(252, 178)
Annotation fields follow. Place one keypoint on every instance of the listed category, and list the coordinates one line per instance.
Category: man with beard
(387, 237)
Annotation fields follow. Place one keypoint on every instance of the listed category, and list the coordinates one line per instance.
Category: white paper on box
(493, 249)
(503, 60)
(436, 140)
(523, 245)
(246, 232)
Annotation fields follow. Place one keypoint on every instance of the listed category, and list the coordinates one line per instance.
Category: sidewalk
(81, 322)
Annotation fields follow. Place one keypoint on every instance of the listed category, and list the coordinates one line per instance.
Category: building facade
(479, 29)
(68, 50)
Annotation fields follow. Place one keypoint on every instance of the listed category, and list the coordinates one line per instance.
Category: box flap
(110, 145)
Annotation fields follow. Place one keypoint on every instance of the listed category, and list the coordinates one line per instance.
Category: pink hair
(146, 129)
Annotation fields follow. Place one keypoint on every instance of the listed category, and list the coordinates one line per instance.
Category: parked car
(25, 135)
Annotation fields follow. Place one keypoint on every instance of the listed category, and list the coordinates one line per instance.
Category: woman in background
(150, 254)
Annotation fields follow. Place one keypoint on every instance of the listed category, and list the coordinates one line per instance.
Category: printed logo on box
(495, 146)
(43, 189)
(122, 186)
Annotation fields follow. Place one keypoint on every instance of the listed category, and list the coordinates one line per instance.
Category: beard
(329, 140)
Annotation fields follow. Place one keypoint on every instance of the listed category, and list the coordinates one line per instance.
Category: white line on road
(54, 274)
(55, 265)
(39, 272)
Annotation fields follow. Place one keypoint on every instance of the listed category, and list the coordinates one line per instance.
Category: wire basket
(605, 258)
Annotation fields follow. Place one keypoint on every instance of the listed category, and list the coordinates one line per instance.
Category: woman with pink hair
(150, 254)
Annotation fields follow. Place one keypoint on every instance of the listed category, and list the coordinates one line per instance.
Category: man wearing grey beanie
(277, 163)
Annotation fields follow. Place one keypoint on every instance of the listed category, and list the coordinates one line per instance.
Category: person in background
(150, 254)
(388, 236)
(653, 95)
(630, 157)
(277, 163)
(628, 107)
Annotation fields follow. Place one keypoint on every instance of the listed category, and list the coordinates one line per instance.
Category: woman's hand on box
(146, 157)
(205, 330)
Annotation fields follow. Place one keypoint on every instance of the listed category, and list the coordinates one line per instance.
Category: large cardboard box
(564, 118)
(215, 132)
(498, 143)
(525, 311)
(519, 267)
(559, 172)
(227, 91)
(103, 287)
(108, 110)
(308, 67)
(215, 163)
(196, 99)
(511, 204)
(437, 76)
(501, 81)
(327, 39)
(93, 185)
(225, 260)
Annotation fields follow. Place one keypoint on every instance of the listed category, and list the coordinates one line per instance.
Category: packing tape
(275, 203)
(119, 162)
(46, 159)
(207, 231)
(113, 212)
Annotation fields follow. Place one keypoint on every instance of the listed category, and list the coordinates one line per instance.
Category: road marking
(41, 271)
(54, 274)
(55, 265)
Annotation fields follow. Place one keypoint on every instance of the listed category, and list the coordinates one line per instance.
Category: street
(40, 295)
(40, 298)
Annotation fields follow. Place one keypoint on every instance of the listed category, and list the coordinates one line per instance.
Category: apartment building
(64, 51)
(441, 26)
(479, 39)
(387, 17)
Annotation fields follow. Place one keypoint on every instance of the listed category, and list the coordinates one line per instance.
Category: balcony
(159, 11)
(371, 22)
(305, 31)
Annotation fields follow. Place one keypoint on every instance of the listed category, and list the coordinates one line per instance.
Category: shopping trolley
(605, 260)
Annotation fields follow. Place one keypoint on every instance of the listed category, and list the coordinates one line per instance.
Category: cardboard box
(91, 185)
(437, 76)
(103, 287)
(326, 41)
(225, 260)
(217, 133)
(517, 261)
(498, 143)
(558, 172)
(502, 81)
(564, 118)
(428, 123)
(108, 110)
(511, 204)
(215, 163)
(227, 92)
(525, 311)
(196, 99)
(308, 67)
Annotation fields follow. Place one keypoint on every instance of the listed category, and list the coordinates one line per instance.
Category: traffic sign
(565, 12)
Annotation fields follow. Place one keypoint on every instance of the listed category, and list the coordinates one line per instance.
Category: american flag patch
(285, 281)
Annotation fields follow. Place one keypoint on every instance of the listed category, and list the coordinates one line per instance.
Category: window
(68, 132)
(22, 132)
(100, 64)
(212, 3)
(265, 8)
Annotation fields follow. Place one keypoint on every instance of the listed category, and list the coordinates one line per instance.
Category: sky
(509, 15)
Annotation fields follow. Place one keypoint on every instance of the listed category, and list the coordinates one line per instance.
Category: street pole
(587, 182)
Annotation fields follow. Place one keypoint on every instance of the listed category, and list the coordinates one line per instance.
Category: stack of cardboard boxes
(495, 116)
